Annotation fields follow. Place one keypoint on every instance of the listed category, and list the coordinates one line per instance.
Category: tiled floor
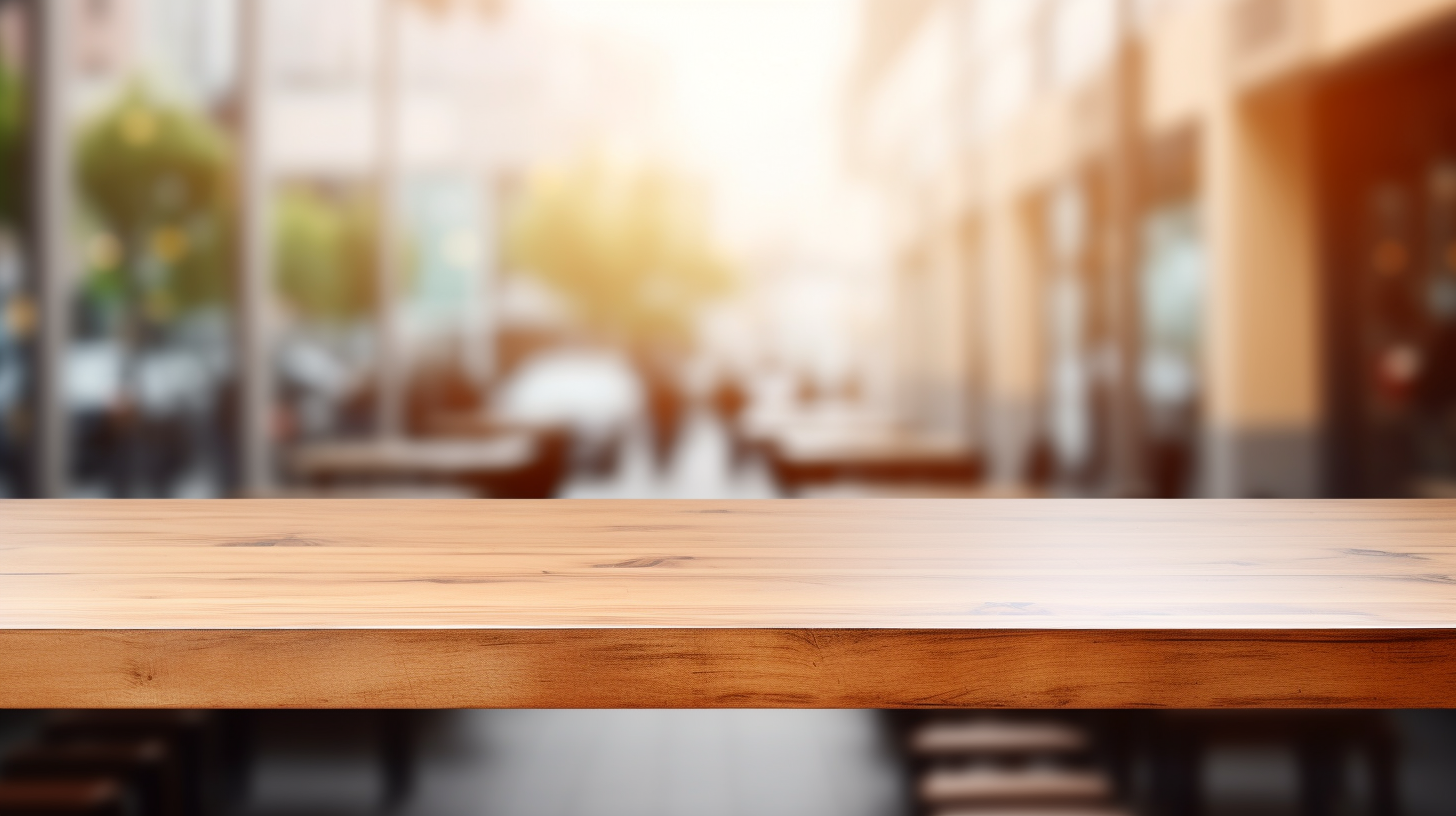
(593, 763)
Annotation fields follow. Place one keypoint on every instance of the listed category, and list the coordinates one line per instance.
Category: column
(1014, 358)
(389, 416)
(255, 376)
(52, 191)
(1265, 393)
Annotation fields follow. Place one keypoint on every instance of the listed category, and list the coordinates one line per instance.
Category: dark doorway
(1386, 133)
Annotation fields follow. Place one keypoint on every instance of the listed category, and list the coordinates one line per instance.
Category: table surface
(975, 603)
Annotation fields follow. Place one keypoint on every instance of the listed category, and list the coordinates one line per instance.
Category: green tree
(627, 249)
(324, 255)
(156, 179)
(12, 147)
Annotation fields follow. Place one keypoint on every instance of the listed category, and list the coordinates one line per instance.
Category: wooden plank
(996, 603)
(727, 668)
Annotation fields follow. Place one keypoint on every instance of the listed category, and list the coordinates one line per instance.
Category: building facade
(1176, 247)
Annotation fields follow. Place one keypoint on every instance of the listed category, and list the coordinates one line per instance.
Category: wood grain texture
(792, 603)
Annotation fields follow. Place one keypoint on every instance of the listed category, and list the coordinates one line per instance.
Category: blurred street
(592, 763)
(734, 249)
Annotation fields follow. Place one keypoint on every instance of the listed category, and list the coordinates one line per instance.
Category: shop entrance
(1387, 178)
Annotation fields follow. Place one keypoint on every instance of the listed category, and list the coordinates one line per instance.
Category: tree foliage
(627, 249)
(156, 179)
(325, 263)
(12, 147)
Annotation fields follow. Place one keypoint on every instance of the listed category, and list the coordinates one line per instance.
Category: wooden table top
(980, 603)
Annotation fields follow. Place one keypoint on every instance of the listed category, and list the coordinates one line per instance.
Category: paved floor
(588, 763)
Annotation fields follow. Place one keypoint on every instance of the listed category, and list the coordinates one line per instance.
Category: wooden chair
(987, 785)
(966, 764)
(1052, 810)
(147, 767)
(988, 736)
(99, 796)
(211, 748)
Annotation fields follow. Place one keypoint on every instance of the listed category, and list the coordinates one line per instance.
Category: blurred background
(735, 248)
(728, 249)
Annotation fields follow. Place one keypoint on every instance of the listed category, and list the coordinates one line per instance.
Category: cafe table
(415, 458)
(792, 603)
(517, 462)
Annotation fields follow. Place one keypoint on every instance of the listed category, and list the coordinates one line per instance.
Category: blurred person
(1039, 468)
(666, 406)
(627, 248)
(17, 318)
(807, 389)
(321, 395)
(1169, 464)
(591, 393)
(729, 399)
(441, 386)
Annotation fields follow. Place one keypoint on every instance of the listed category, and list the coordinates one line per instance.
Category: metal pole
(1125, 212)
(389, 398)
(254, 375)
(970, 251)
(51, 195)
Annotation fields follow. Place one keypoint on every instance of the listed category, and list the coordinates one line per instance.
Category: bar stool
(988, 764)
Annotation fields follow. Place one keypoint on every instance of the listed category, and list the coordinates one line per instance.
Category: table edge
(728, 668)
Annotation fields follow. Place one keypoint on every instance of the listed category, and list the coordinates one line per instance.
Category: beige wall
(1182, 63)
(1263, 387)
(1263, 340)
(1346, 27)
(1012, 316)
(934, 336)
(949, 331)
